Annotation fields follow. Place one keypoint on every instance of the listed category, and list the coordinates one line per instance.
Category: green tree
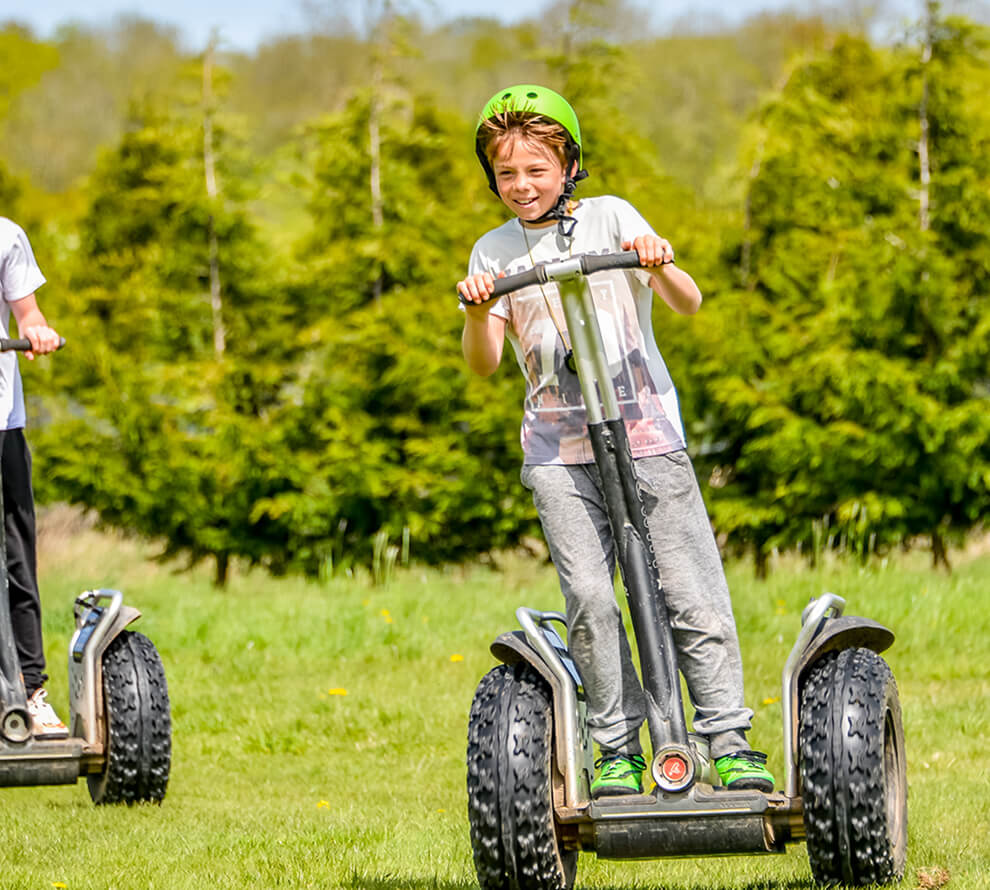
(57, 126)
(153, 427)
(846, 384)
(25, 60)
(391, 436)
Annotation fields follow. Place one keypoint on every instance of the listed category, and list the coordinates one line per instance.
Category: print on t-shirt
(554, 423)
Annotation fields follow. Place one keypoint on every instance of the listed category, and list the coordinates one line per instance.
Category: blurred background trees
(253, 255)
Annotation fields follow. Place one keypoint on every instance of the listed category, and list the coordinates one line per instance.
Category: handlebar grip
(21, 344)
(511, 283)
(626, 259)
(518, 281)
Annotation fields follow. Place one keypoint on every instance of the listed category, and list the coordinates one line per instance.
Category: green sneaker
(619, 775)
(745, 771)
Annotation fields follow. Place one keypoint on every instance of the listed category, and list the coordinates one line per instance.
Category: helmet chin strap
(565, 223)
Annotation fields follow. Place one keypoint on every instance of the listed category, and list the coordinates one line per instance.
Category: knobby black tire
(139, 724)
(510, 806)
(854, 786)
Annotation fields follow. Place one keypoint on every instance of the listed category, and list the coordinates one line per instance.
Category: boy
(20, 277)
(529, 144)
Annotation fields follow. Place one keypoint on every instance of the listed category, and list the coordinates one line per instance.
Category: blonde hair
(507, 127)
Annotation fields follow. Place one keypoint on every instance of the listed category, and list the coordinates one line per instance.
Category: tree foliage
(847, 382)
(834, 385)
(152, 429)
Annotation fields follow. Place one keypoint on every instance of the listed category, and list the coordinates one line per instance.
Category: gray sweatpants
(572, 511)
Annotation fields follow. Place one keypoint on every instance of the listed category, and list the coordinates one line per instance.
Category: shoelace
(612, 764)
(749, 758)
(39, 706)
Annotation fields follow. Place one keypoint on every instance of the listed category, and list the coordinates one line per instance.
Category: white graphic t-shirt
(554, 426)
(19, 277)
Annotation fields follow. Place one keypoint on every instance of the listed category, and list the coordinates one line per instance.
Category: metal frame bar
(811, 621)
(530, 621)
(84, 698)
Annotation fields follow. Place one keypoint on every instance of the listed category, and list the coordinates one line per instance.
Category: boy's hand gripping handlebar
(21, 344)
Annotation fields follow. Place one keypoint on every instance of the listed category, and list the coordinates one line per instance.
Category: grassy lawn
(319, 729)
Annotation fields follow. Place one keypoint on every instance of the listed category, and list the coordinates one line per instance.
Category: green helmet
(532, 99)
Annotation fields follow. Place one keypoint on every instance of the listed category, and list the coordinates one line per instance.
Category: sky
(243, 24)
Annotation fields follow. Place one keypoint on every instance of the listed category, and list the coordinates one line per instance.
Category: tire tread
(139, 725)
(845, 701)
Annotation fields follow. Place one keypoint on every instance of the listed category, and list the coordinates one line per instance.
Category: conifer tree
(847, 381)
(152, 427)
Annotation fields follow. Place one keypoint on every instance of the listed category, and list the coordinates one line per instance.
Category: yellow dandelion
(323, 805)
(441, 810)
(386, 615)
(456, 657)
(772, 700)
(60, 885)
(337, 691)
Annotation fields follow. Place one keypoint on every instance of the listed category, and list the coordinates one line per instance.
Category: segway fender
(86, 667)
(834, 634)
(512, 648)
(846, 632)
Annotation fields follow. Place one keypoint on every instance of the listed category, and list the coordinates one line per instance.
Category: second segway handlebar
(22, 344)
(562, 270)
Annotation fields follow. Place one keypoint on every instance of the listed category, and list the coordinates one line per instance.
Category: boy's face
(529, 177)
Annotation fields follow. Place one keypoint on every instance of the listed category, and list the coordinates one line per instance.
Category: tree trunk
(223, 568)
(745, 258)
(761, 562)
(924, 173)
(940, 553)
(374, 139)
(212, 191)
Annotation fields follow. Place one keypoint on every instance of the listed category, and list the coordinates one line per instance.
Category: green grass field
(319, 729)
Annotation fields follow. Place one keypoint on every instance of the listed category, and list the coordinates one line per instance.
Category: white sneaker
(44, 721)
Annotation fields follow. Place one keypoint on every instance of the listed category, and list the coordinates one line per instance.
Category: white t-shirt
(554, 426)
(19, 278)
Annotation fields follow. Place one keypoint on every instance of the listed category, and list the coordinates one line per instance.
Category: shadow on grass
(393, 882)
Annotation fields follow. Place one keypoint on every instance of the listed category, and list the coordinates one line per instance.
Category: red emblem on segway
(674, 769)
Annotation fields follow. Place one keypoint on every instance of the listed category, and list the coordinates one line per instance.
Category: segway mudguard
(542, 648)
(824, 629)
(100, 616)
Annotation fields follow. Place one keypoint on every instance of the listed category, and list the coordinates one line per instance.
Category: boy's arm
(482, 340)
(674, 285)
(677, 289)
(484, 333)
(31, 323)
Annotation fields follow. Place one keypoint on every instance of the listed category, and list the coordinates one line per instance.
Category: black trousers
(22, 560)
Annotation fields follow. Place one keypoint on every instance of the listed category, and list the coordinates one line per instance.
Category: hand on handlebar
(477, 289)
(43, 340)
(652, 249)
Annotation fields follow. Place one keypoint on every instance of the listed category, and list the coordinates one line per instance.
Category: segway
(120, 728)
(530, 757)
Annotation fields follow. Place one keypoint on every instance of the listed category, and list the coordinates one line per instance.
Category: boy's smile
(530, 178)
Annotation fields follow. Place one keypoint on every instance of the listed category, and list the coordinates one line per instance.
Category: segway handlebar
(561, 270)
(22, 344)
